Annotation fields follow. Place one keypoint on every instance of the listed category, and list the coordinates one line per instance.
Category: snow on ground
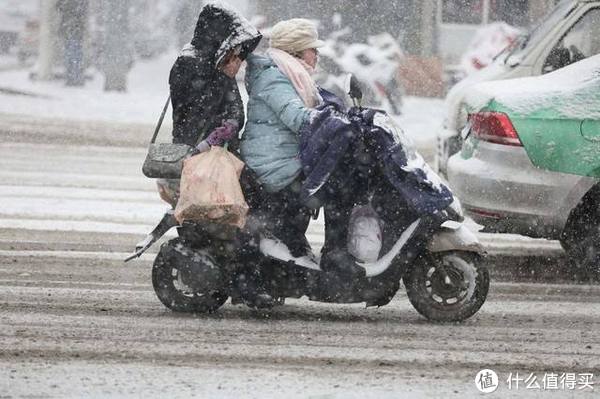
(421, 120)
(148, 90)
(8, 61)
(147, 84)
(229, 381)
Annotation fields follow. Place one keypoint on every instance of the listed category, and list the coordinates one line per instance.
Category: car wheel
(582, 220)
(584, 256)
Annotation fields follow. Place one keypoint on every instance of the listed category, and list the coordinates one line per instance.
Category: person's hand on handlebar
(219, 136)
(365, 114)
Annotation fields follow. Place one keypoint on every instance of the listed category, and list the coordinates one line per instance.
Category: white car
(521, 134)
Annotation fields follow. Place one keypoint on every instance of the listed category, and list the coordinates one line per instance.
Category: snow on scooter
(441, 267)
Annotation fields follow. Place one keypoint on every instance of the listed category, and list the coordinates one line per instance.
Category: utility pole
(48, 39)
(428, 28)
(117, 51)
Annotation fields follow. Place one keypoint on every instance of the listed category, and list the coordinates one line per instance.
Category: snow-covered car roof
(570, 92)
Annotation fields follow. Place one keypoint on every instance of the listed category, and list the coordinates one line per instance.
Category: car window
(580, 42)
(541, 31)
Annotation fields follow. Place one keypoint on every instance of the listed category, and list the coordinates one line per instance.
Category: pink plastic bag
(210, 189)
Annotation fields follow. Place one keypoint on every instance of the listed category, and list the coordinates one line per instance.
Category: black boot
(250, 286)
(298, 245)
(340, 261)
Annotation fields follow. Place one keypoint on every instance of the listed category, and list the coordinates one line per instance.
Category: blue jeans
(74, 62)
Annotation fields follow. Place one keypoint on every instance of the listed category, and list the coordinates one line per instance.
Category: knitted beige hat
(295, 35)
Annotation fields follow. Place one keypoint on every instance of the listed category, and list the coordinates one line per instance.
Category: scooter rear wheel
(175, 294)
(452, 296)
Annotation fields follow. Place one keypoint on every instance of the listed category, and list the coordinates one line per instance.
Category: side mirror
(354, 89)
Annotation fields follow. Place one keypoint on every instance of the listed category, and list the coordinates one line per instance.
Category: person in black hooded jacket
(204, 94)
(208, 108)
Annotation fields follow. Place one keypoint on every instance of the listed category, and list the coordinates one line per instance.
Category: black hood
(220, 29)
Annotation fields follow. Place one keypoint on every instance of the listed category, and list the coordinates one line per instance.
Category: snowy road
(76, 322)
(102, 189)
(92, 327)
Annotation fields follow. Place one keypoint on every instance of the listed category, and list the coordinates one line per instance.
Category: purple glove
(223, 133)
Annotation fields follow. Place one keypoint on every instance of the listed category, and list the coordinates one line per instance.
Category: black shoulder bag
(165, 160)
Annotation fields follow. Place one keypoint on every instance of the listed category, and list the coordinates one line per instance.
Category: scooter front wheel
(171, 290)
(447, 286)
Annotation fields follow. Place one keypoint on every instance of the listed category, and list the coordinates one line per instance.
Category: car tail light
(484, 213)
(494, 127)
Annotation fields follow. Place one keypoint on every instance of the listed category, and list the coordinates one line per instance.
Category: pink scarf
(299, 73)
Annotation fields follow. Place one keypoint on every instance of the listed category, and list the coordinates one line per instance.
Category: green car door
(563, 134)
